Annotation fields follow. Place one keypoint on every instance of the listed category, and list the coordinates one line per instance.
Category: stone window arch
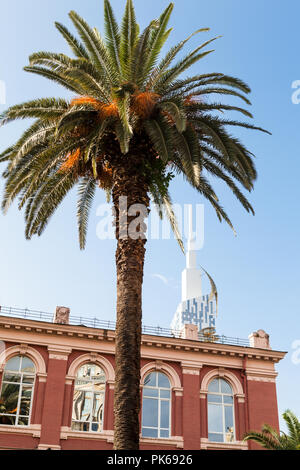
(24, 350)
(158, 381)
(17, 390)
(221, 387)
(101, 361)
(90, 373)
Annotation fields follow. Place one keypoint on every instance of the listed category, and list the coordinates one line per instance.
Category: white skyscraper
(194, 307)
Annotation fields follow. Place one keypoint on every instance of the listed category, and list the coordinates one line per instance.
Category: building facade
(57, 387)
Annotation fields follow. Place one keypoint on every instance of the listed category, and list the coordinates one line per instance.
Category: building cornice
(148, 341)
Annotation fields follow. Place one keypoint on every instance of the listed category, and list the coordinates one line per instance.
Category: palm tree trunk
(130, 182)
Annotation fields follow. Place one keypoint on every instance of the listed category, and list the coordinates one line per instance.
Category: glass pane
(99, 387)
(27, 379)
(150, 392)
(95, 427)
(227, 399)
(150, 380)
(11, 377)
(215, 437)
(229, 423)
(164, 433)
(27, 365)
(98, 408)
(163, 380)
(80, 426)
(215, 418)
(214, 398)
(25, 406)
(150, 412)
(165, 393)
(25, 400)
(23, 421)
(225, 387)
(164, 414)
(8, 420)
(26, 391)
(214, 386)
(9, 398)
(149, 432)
(91, 372)
(82, 405)
(84, 385)
(13, 363)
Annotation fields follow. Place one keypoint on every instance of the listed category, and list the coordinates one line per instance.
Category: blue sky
(257, 272)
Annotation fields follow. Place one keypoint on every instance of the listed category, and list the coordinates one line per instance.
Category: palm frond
(86, 192)
(112, 35)
(74, 44)
(129, 38)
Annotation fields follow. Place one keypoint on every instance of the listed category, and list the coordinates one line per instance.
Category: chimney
(259, 339)
(190, 331)
(62, 316)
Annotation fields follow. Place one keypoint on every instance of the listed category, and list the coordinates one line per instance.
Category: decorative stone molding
(237, 445)
(59, 353)
(191, 368)
(178, 391)
(23, 349)
(48, 447)
(95, 359)
(260, 340)
(164, 368)
(111, 384)
(227, 375)
(240, 398)
(186, 370)
(261, 379)
(190, 331)
(261, 375)
(58, 357)
(172, 441)
(58, 349)
(34, 430)
(62, 316)
(41, 377)
(67, 433)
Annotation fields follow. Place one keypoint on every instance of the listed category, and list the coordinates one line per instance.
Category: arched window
(88, 401)
(17, 391)
(220, 411)
(156, 410)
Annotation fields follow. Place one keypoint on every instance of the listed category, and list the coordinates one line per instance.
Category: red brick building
(57, 386)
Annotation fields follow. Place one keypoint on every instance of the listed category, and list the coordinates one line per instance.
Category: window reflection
(88, 400)
(220, 411)
(17, 391)
(156, 406)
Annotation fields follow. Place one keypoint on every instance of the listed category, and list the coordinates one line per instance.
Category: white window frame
(21, 375)
(223, 405)
(90, 422)
(159, 399)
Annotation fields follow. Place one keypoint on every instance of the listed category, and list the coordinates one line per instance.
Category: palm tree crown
(271, 439)
(124, 96)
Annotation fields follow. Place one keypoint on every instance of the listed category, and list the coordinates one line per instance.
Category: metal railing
(88, 322)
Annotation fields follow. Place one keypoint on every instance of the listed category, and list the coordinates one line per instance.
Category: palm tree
(133, 124)
(271, 439)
